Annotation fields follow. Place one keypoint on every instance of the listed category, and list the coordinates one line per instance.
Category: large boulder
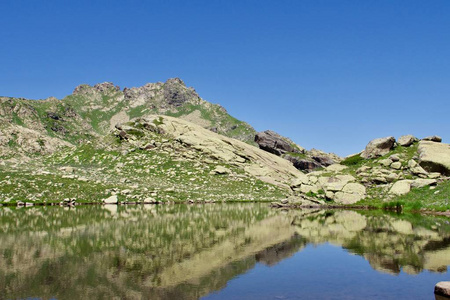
(401, 187)
(378, 147)
(351, 193)
(434, 157)
(407, 140)
(307, 165)
(272, 142)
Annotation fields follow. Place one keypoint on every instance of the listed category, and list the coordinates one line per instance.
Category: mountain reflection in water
(186, 252)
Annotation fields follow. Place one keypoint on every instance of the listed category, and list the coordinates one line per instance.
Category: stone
(442, 288)
(354, 188)
(335, 183)
(386, 162)
(434, 157)
(418, 183)
(297, 182)
(407, 140)
(401, 187)
(272, 142)
(220, 170)
(396, 165)
(362, 169)
(391, 177)
(418, 170)
(380, 180)
(394, 157)
(329, 195)
(305, 188)
(434, 175)
(412, 163)
(433, 138)
(111, 200)
(346, 198)
(284, 201)
(378, 147)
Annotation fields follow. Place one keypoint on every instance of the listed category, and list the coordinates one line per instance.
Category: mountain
(91, 111)
(162, 143)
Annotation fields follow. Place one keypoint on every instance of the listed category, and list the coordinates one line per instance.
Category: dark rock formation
(303, 164)
(272, 142)
(323, 160)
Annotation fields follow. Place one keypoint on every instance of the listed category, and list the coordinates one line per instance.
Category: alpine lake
(219, 251)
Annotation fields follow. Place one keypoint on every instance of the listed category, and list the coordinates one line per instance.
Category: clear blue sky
(328, 74)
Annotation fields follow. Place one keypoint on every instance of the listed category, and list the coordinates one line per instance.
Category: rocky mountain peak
(99, 88)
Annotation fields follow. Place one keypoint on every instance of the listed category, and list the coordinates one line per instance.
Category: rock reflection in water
(389, 243)
(185, 252)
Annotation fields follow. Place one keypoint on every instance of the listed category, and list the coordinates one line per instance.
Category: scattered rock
(418, 183)
(395, 157)
(378, 147)
(396, 165)
(401, 187)
(433, 138)
(220, 170)
(386, 162)
(111, 200)
(407, 140)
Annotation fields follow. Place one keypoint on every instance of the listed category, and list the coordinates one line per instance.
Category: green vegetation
(425, 198)
(354, 160)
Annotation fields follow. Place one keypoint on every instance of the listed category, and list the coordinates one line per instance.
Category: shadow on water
(186, 252)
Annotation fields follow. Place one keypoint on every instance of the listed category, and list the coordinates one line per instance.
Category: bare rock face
(256, 162)
(433, 138)
(378, 147)
(407, 140)
(104, 87)
(274, 143)
(176, 93)
(172, 93)
(434, 157)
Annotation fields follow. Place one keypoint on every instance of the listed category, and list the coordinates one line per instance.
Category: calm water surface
(234, 251)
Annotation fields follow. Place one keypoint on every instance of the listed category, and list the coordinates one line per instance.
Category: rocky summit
(162, 143)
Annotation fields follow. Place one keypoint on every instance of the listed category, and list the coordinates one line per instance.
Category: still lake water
(218, 251)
